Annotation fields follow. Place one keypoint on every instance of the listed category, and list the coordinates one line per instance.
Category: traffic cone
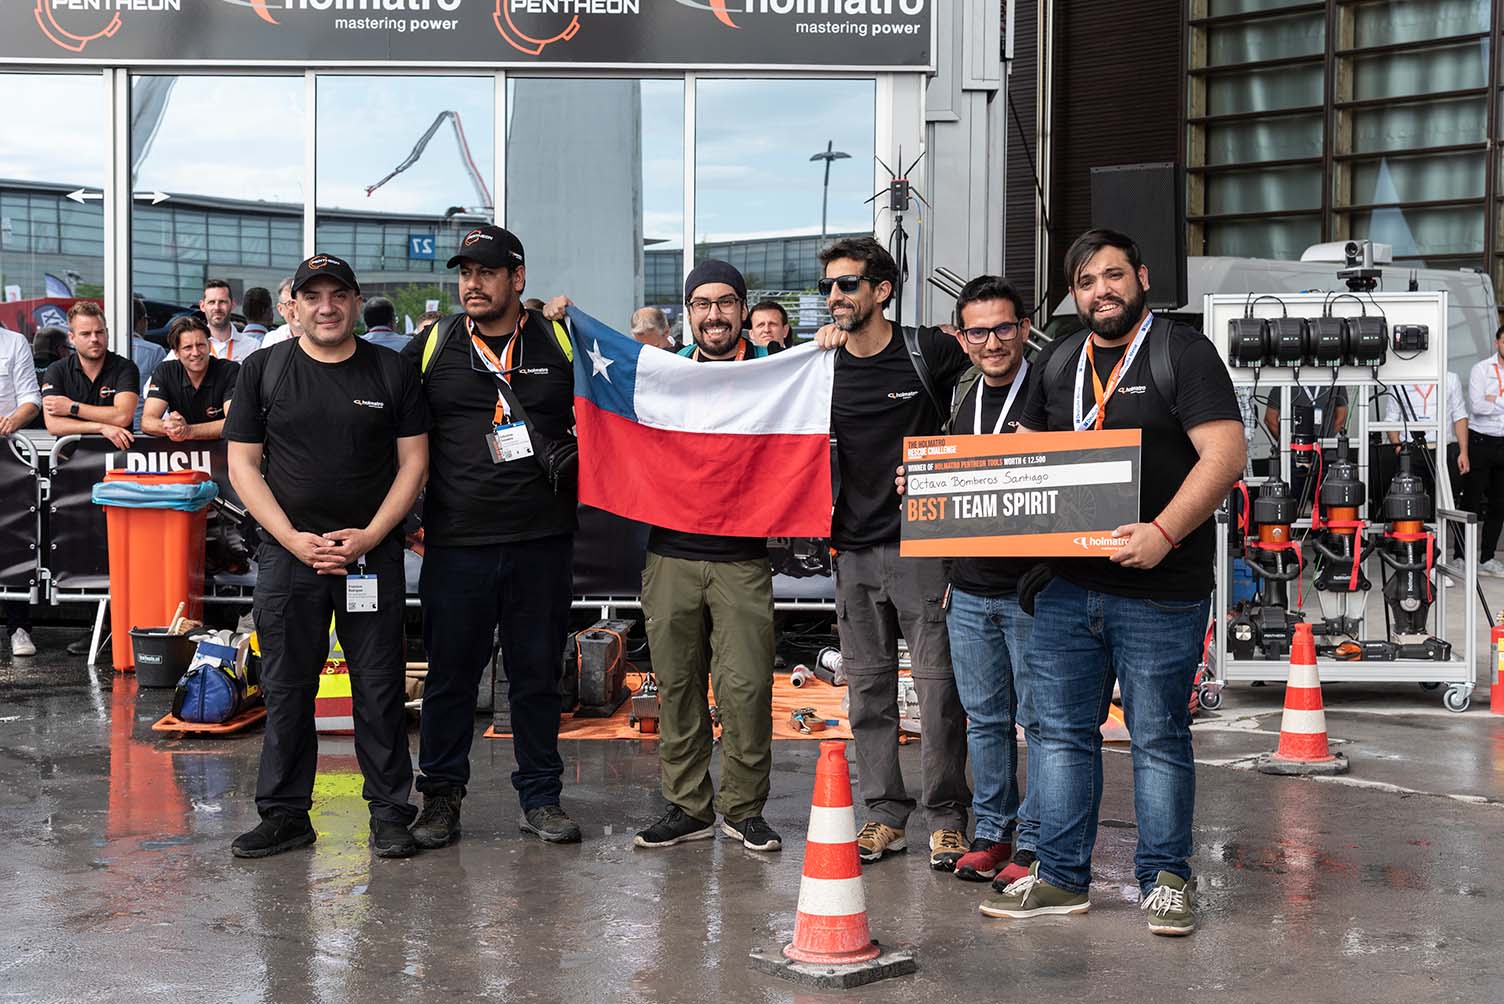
(1496, 684)
(832, 945)
(1302, 730)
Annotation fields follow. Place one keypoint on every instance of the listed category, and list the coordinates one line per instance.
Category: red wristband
(1170, 540)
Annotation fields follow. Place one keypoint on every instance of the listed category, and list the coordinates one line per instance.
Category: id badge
(509, 442)
(1317, 413)
(360, 594)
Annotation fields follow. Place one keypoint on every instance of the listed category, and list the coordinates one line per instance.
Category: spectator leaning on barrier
(188, 396)
(342, 429)
(1139, 617)
(20, 401)
(224, 341)
(770, 326)
(498, 536)
(257, 308)
(286, 307)
(380, 316)
(879, 398)
(93, 391)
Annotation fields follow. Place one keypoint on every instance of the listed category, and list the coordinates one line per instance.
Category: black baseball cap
(491, 246)
(326, 265)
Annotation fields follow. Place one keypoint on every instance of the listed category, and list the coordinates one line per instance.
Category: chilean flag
(735, 449)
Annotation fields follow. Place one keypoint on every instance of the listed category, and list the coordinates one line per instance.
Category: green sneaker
(1171, 906)
(1032, 896)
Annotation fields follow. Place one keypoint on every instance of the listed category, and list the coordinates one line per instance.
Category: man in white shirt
(1416, 405)
(1485, 488)
(20, 401)
(224, 341)
(289, 328)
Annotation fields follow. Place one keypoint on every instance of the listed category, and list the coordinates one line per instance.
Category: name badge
(360, 594)
(509, 442)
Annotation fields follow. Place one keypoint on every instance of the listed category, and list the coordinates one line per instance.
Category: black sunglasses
(845, 283)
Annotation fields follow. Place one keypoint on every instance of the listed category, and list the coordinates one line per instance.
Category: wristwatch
(73, 409)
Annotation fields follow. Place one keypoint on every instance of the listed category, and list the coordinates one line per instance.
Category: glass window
(761, 196)
(1422, 232)
(1425, 71)
(1418, 179)
(1217, 8)
(1414, 127)
(590, 202)
(1282, 239)
(1418, 21)
(1275, 139)
(1265, 90)
(223, 150)
(395, 200)
(51, 245)
(1275, 190)
(1273, 38)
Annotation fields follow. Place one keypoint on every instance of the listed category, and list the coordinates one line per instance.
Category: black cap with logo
(490, 246)
(325, 265)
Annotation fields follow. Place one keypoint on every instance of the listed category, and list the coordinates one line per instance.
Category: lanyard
(1098, 413)
(1424, 411)
(229, 348)
(499, 368)
(741, 351)
(1018, 381)
(1499, 378)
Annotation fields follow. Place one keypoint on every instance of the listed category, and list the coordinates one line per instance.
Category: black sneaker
(277, 832)
(392, 839)
(754, 833)
(438, 825)
(675, 827)
(550, 824)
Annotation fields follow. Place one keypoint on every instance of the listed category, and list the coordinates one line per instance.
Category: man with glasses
(712, 595)
(290, 327)
(890, 384)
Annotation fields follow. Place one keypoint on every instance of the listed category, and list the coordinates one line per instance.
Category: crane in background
(453, 118)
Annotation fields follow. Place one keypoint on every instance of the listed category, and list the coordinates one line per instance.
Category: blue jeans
(989, 636)
(1082, 641)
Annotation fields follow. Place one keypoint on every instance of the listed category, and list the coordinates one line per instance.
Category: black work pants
(1485, 488)
(17, 616)
(292, 608)
(524, 588)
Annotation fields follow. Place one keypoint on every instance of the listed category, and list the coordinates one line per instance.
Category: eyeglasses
(700, 305)
(845, 283)
(1006, 332)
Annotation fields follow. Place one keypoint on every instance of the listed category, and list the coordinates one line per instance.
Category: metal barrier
(20, 519)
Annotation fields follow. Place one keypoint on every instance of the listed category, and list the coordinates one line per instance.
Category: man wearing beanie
(689, 576)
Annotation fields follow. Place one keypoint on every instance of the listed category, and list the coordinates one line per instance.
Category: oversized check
(1036, 494)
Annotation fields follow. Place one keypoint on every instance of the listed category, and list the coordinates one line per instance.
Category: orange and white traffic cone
(1496, 684)
(1302, 730)
(832, 945)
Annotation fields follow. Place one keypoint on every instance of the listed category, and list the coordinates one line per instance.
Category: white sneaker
(21, 643)
(1492, 567)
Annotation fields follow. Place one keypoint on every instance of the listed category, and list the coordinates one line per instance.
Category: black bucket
(161, 658)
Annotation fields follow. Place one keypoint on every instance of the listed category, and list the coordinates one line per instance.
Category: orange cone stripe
(1295, 746)
(1303, 699)
(831, 791)
(832, 861)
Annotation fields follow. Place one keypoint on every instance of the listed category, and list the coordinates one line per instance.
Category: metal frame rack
(1365, 386)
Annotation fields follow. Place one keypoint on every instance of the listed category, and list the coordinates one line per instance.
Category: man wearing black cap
(328, 450)
(689, 576)
(498, 535)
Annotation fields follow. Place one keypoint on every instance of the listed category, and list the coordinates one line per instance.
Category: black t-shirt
(875, 403)
(990, 576)
(330, 430)
(117, 375)
(470, 500)
(704, 546)
(169, 382)
(1203, 393)
(1308, 401)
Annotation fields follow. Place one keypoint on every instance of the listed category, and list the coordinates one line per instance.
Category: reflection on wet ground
(118, 884)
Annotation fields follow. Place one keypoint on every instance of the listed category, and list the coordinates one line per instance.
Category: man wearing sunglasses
(880, 396)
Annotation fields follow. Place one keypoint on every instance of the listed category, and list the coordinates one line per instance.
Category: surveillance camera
(1353, 252)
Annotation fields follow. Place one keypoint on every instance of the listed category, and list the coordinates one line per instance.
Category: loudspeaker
(1147, 202)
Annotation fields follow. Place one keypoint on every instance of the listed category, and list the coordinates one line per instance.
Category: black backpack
(1161, 365)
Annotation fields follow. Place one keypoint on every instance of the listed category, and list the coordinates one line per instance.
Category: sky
(243, 137)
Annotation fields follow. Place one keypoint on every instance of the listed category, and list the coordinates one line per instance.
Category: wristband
(1170, 540)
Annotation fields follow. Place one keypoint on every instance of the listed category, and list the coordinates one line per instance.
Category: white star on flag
(599, 362)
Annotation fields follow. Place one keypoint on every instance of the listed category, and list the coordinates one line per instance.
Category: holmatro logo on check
(1087, 541)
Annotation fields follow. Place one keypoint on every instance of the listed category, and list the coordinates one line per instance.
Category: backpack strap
(1061, 355)
(963, 387)
(438, 334)
(1161, 365)
(922, 369)
(562, 337)
(274, 373)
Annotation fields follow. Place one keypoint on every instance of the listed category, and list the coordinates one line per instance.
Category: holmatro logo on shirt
(378, 405)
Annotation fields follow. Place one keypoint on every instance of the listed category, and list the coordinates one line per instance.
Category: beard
(486, 311)
(854, 320)
(719, 339)
(1113, 328)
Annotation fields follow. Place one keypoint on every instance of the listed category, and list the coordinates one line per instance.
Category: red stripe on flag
(704, 482)
(832, 861)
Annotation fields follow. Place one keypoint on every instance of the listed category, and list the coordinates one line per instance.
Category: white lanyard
(1018, 381)
(1084, 422)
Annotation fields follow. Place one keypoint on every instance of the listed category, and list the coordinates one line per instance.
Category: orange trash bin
(156, 562)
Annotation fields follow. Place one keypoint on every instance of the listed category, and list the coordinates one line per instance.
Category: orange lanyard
(499, 368)
(741, 351)
(229, 348)
(1425, 399)
(1499, 378)
(1101, 393)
